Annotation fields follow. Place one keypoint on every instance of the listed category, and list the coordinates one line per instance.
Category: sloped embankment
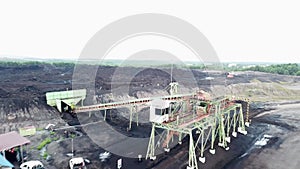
(260, 91)
(16, 113)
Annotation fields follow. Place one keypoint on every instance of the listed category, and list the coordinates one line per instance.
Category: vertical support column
(228, 126)
(176, 89)
(213, 131)
(241, 117)
(220, 117)
(130, 119)
(234, 133)
(132, 112)
(173, 88)
(168, 137)
(222, 135)
(192, 155)
(136, 115)
(104, 118)
(221, 131)
(241, 127)
(220, 121)
(151, 146)
(202, 158)
(247, 123)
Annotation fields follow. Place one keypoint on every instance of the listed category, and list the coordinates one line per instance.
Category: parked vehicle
(32, 165)
(77, 163)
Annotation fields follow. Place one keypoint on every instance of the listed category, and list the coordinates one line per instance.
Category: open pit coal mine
(23, 103)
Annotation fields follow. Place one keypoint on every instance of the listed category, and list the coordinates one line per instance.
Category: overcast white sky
(256, 30)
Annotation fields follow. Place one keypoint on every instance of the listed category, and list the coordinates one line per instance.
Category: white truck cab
(77, 163)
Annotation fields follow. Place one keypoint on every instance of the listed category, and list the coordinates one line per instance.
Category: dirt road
(283, 150)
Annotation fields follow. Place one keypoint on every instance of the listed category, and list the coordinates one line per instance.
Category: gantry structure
(207, 122)
(204, 121)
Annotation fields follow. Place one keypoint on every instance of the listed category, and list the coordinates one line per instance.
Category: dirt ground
(283, 148)
(22, 103)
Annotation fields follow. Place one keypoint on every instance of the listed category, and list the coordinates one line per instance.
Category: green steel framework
(215, 126)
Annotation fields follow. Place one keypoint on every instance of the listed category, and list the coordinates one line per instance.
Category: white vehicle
(32, 165)
(77, 163)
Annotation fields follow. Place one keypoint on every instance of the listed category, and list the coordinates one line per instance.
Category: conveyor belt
(114, 105)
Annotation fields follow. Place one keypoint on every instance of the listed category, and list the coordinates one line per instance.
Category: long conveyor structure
(191, 115)
(128, 103)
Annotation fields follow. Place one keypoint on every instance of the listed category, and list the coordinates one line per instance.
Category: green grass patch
(45, 155)
(55, 138)
(44, 143)
(39, 129)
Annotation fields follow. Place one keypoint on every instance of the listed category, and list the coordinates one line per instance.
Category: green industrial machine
(63, 99)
